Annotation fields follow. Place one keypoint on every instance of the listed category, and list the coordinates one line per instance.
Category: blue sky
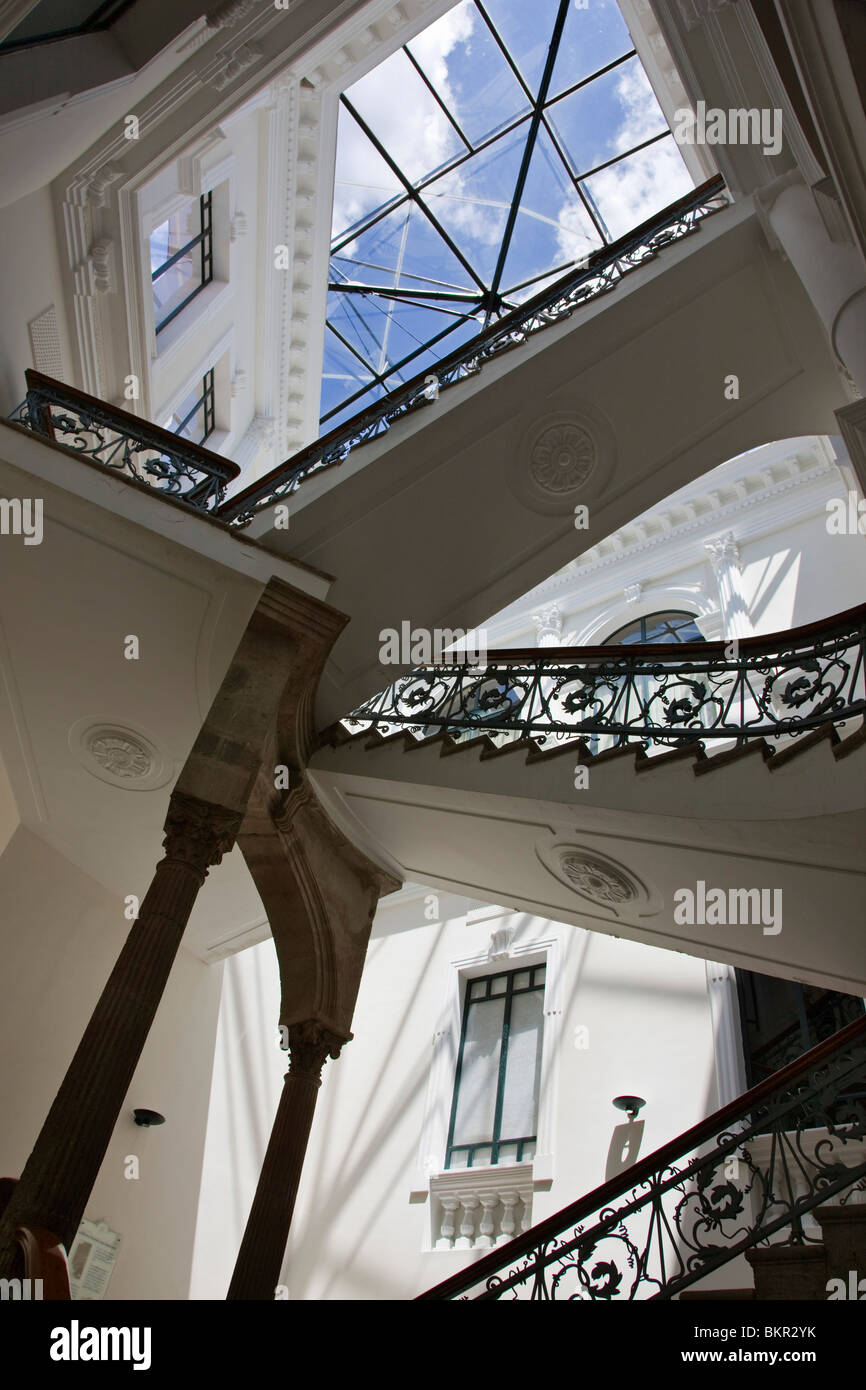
(431, 145)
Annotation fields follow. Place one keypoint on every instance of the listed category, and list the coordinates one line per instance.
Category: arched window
(666, 626)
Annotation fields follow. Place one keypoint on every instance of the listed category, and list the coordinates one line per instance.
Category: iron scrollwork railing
(751, 1171)
(601, 273)
(124, 443)
(763, 687)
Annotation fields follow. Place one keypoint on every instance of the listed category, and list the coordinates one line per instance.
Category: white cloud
(629, 192)
(415, 133)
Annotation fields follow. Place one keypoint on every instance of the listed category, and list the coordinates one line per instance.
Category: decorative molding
(190, 179)
(103, 262)
(479, 1208)
(562, 458)
(225, 16)
(548, 625)
(632, 592)
(238, 61)
(198, 833)
(499, 947)
(598, 879)
(121, 756)
(723, 553)
(310, 1046)
(695, 12)
(97, 187)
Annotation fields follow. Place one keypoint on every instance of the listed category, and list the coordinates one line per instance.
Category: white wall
(61, 934)
(247, 1079)
(360, 1227)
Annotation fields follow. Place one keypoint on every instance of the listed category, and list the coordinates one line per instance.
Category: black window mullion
(354, 351)
(585, 81)
(466, 1005)
(575, 179)
(433, 92)
(352, 233)
(503, 1064)
(529, 148)
(505, 52)
(204, 239)
(615, 159)
(173, 259)
(446, 296)
(379, 379)
(412, 194)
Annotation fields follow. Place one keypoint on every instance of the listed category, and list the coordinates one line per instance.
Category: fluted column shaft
(260, 1258)
(62, 1168)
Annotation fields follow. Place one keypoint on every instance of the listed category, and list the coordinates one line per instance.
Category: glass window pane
(607, 117)
(479, 1073)
(403, 114)
(521, 979)
(499, 985)
(526, 30)
(174, 233)
(553, 227)
(473, 201)
(464, 63)
(478, 989)
(538, 975)
(592, 38)
(342, 373)
(481, 1156)
(523, 1067)
(639, 185)
(363, 182)
(403, 249)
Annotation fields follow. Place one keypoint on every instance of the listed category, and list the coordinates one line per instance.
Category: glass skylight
(483, 159)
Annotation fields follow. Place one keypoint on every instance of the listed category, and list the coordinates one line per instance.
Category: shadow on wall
(624, 1148)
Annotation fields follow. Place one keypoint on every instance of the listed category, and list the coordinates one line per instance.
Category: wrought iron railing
(703, 1199)
(600, 274)
(124, 443)
(670, 695)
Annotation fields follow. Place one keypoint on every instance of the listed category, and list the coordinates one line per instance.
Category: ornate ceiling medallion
(121, 756)
(562, 458)
(598, 879)
(594, 879)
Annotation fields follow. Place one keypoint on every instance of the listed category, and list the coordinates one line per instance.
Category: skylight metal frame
(490, 298)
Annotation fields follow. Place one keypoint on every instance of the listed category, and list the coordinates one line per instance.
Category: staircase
(660, 767)
(752, 1179)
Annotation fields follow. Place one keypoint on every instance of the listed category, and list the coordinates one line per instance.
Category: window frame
(204, 240)
(496, 1142)
(207, 401)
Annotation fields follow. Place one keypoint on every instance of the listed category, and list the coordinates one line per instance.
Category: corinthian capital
(198, 833)
(723, 552)
(310, 1045)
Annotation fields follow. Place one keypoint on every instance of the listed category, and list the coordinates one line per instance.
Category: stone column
(66, 1158)
(257, 1269)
